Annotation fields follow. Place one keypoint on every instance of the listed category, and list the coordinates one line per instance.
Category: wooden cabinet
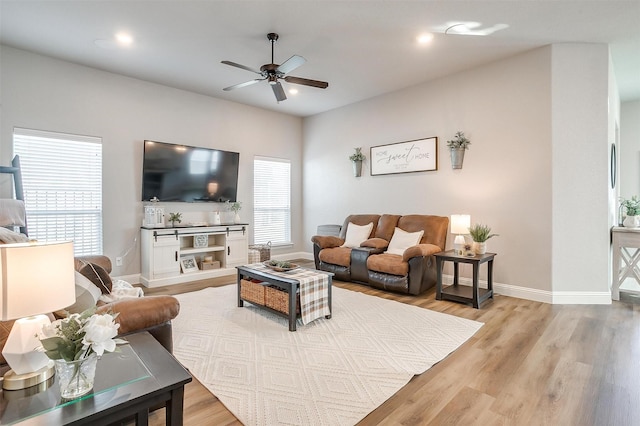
(163, 249)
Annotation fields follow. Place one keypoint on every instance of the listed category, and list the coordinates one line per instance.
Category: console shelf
(163, 248)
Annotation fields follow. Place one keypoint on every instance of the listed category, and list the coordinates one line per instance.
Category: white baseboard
(297, 255)
(544, 296)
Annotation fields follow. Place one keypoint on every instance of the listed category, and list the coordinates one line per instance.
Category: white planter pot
(631, 222)
(479, 248)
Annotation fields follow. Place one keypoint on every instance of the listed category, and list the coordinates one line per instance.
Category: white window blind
(271, 200)
(62, 179)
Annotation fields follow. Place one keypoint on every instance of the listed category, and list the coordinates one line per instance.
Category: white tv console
(162, 249)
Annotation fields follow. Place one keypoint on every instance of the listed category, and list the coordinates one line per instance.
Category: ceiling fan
(273, 73)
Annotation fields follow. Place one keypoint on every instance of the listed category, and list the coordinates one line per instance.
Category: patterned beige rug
(329, 372)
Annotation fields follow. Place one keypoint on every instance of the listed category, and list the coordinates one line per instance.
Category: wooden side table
(465, 294)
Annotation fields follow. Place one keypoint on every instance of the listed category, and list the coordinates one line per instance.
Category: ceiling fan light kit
(273, 73)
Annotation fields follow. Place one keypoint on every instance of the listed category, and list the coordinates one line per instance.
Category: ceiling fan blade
(245, 84)
(278, 91)
(233, 64)
(306, 82)
(291, 64)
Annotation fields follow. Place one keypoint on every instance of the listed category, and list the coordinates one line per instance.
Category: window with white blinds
(62, 179)
(271, 200)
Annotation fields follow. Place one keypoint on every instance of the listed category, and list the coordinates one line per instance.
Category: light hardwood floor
(530, 364)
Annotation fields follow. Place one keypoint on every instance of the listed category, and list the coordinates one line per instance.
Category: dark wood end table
(465, 294)
(129, 382)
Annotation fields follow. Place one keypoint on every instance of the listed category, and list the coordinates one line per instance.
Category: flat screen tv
(183, 173)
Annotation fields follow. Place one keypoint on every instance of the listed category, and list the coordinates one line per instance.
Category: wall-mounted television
(172, 172)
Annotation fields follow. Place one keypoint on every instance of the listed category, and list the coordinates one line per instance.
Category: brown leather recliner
(148, 313)
(413, 272)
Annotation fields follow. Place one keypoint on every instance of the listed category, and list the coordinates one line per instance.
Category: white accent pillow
(402, 240)
(356, 234)
(87, 295)
(7, 236)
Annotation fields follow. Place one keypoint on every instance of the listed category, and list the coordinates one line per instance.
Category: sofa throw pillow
(7, 236)
(98, 276)
(356, 234)
(87, 295)
(402, 240)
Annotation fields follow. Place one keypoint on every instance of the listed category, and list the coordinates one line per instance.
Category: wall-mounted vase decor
(356, 159)
(457, 146)
(357, 168)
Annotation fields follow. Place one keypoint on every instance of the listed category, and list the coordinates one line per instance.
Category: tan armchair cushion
(327, 241)
(388, 264)
(144, 312)
(377, 243)
(420, 250)
(336, 256)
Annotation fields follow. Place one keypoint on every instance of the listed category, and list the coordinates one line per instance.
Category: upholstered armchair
(147, 313)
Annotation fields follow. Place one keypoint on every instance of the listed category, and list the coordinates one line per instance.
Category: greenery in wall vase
(357, 158)
(457, 146)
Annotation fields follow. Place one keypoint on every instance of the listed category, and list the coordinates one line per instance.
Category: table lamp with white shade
(35, 279)
(460, 224)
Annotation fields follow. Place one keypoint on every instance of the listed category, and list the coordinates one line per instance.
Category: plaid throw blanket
(314, 290)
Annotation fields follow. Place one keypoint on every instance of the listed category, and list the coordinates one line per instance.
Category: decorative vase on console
(632, 212)
(236, 207)
(631, 221)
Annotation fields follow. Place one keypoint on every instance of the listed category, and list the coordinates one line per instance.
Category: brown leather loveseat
(406, 269)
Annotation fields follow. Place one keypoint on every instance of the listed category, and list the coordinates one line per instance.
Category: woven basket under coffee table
(281, 292)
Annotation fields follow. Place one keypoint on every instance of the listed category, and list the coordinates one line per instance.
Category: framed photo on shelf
(200, 240)
(188, 264)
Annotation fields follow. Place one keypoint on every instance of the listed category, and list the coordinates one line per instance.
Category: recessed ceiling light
(293, 91)
(124, 39)
(425, 38)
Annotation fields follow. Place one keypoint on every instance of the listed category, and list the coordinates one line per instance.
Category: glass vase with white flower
(74, 344)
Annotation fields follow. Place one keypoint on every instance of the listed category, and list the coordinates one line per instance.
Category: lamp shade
(460, 223)
(35, 278)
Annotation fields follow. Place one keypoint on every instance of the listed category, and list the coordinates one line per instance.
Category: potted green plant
(175, 217)
(632, 211)
(357, 158)
(457, 146)
(480, 234)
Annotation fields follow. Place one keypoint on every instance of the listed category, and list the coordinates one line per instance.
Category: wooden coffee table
(290, 285)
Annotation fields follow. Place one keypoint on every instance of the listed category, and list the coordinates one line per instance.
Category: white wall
(39, 92)
(509, 172)
(629, 153)
(506, 177)
(580, 152)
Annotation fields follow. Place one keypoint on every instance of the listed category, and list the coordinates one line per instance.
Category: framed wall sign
(413, 156)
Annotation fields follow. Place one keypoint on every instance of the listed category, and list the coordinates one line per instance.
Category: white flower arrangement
(79, 335)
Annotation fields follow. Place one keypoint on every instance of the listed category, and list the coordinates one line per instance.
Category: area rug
(329, 372)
